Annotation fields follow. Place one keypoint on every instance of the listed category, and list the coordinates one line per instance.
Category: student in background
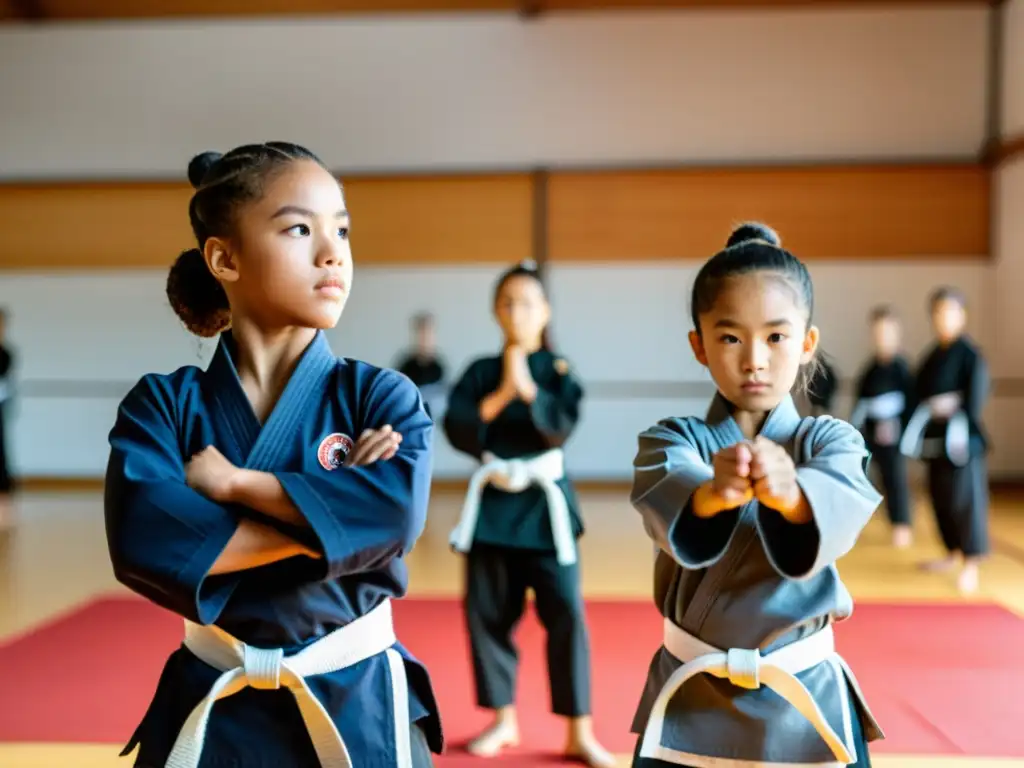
(946, 431)
(6, 393)
(513, 412)
(422, 364)
(822, 388)
(885, 393)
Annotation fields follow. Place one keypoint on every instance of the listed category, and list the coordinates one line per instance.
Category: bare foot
(502, 733)
(944, 565)
(902, 536)
(967, 581)
(582, 745)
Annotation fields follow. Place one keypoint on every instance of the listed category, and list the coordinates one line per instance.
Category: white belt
(244, 666)
(887, 406)
(947, 406)
(515, 476)
(746, 669)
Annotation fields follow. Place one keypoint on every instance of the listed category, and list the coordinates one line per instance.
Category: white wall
(137, 100)
(622, 328)
(420, 92)
(1013, 68)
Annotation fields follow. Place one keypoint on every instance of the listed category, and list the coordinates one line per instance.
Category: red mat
(942, 679)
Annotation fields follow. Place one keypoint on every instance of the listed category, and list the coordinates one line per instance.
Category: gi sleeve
(841, 498)
(668, 468)
(908, 386)
(976, 392)
(163, 537)
(556, 409)
(463, 426)
(364, 517)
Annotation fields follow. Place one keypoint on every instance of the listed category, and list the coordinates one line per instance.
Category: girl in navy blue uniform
(270, 499)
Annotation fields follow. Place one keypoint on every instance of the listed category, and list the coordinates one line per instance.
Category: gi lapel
(259, 446)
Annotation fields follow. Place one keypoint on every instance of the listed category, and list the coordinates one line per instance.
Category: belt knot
(263, 667)
(744, 667)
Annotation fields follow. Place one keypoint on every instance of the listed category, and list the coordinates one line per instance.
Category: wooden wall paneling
(129, 9)
(854, 212)
(395, 220)
(589, 5)
(441, 220)
(93, 226)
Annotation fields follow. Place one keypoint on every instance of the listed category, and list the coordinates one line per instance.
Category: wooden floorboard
(56, 559)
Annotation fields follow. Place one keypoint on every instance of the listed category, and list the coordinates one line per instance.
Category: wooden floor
(57, 558)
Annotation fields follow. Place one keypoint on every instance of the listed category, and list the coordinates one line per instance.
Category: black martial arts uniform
(821, 390)
(428, 375)
(885, 397)
(512, 546)
(6, 367)
(957, 470)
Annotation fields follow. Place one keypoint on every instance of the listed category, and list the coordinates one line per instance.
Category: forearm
(492, 405)
(264, 493)
(254, 545)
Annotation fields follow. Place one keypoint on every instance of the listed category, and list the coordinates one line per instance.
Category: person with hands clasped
(750, 508)
(520, 521)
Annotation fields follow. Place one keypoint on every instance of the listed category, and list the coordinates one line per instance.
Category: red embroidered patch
(333, 450)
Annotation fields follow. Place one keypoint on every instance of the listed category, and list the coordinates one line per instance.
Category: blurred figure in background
(821, 390)
(882, 407)
(6, 392)
(946, 431)
(513, 412)
(423, 365)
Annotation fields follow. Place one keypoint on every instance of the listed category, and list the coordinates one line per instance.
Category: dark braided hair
(222, 184)
(527, 268)
(754, 247)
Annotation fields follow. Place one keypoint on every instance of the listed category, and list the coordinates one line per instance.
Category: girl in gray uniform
(750, 508)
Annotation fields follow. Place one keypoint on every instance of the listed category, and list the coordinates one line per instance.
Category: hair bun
(753, 230)
(200, 166)
(196, 296)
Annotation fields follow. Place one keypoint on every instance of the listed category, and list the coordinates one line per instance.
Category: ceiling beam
(531, 9)
(29, 10)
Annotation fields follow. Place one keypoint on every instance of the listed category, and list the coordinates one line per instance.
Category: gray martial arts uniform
(748, 579)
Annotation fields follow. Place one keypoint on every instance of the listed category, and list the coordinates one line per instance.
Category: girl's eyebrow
(294, 209)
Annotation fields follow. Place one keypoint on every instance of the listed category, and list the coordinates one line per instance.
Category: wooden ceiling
(78, 10)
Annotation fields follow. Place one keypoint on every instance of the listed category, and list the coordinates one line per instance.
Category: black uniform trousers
(959, 497)
(892, 466)
(863, 756)
(6, 480)
(495, 598)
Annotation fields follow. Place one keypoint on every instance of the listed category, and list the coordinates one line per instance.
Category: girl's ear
(220, 259)
(697, 345)
(810, 345)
